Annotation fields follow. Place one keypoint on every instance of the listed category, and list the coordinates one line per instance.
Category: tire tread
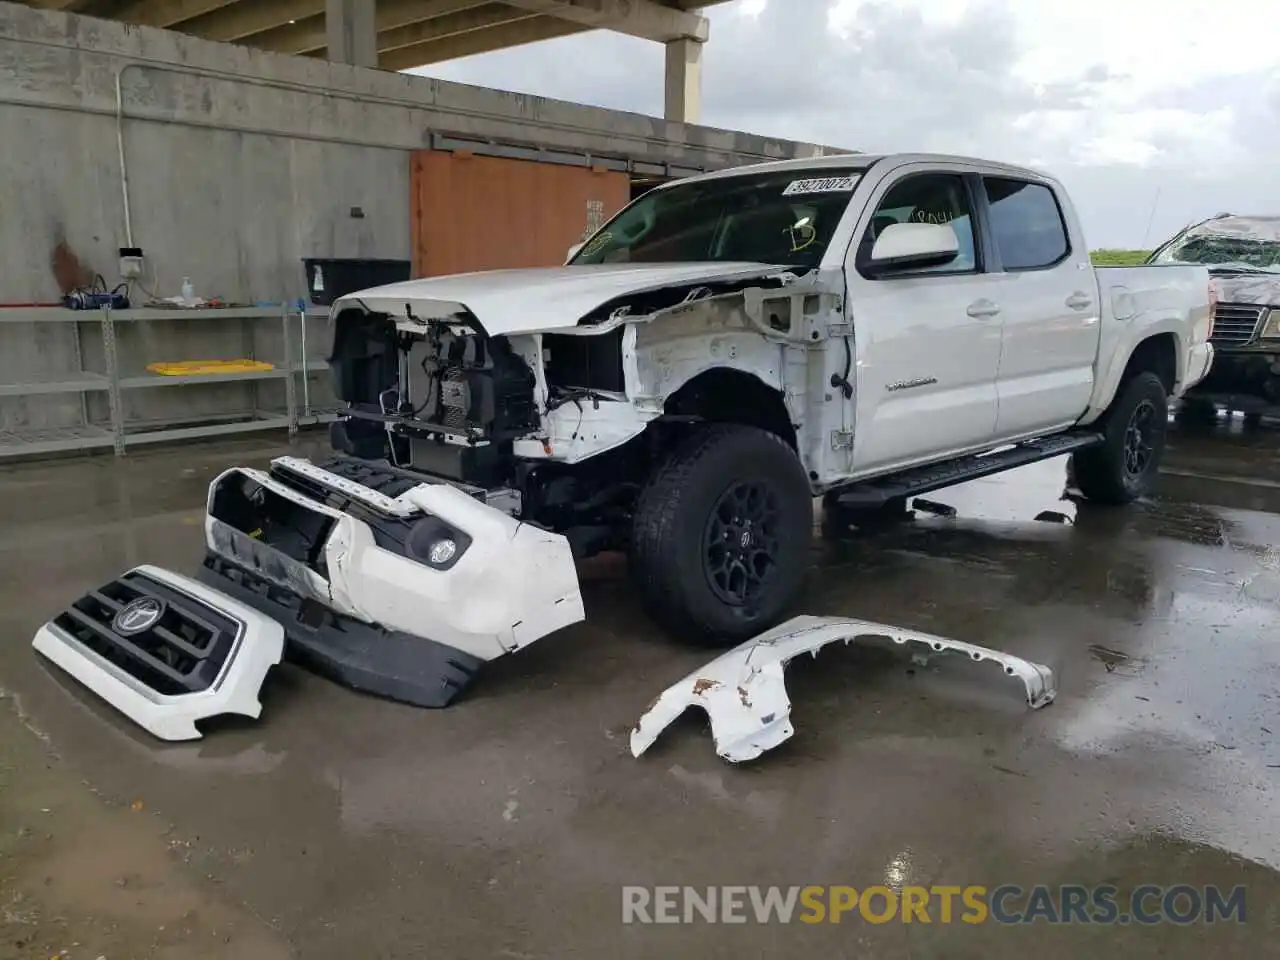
(657, 517)
(1097, 469)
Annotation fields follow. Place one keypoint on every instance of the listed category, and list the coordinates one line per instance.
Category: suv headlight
(1271, 328)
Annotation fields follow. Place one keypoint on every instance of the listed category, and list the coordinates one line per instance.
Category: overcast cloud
(1120, 98)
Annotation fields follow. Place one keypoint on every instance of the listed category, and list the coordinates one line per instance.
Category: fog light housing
(436, 544)
(442, 551)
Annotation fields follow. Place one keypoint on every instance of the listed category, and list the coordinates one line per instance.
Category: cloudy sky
(1171, 106)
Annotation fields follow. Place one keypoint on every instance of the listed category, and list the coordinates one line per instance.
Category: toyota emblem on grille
(142, 614)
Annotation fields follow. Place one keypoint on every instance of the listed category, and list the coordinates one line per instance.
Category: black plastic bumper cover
(365, 657)
(1242, 373)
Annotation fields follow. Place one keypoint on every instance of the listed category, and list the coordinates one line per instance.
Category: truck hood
(545, 298)
(1248, 288)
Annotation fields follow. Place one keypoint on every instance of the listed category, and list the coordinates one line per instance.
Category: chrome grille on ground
(165, 639)
(1235, 323)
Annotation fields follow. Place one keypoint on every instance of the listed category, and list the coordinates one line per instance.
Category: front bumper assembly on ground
(744, 692)
(165, 650)
(374, 607)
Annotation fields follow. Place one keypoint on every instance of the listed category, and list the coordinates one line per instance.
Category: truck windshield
(784, 218)
(1235, 244)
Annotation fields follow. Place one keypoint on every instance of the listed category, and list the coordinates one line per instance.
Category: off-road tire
(1104, 473)
(673, 523)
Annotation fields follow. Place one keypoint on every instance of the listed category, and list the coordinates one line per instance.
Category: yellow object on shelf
(188, 368)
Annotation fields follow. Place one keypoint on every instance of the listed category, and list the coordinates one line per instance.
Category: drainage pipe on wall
(318, 90)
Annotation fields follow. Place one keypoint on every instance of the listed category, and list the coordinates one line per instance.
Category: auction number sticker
(821, 185)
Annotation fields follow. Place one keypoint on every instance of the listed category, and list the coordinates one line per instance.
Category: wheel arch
(1156, 354)
(723, 394)
(1160, 351)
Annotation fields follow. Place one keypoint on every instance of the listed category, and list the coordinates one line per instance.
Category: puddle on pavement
(85, 879)
(362, 828)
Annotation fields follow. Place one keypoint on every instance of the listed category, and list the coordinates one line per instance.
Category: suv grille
(1235, 323)
(165, 639)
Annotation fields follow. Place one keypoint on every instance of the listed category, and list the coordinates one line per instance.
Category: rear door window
(1026, 224)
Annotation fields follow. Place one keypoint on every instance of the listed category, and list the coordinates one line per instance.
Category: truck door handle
(983, 309)
(1079, 301)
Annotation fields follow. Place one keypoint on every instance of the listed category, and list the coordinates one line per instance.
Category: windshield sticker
(820, 185)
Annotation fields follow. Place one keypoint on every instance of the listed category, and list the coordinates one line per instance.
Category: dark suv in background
(1243, 257)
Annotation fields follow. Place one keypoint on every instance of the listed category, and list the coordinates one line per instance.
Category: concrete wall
(239, 164)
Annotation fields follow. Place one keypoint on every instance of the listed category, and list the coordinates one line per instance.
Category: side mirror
(904, 246)
(573, 251)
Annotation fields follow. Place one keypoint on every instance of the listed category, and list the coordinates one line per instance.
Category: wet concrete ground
(343, 826)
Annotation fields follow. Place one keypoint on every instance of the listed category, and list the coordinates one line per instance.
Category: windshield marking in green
(597, 243)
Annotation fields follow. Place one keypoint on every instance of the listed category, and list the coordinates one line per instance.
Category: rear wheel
(1125, 465)
(720, 538)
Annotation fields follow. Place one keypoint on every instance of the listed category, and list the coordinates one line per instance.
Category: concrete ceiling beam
(242, 20)
(639, 18)
(68, 5)
(309, 34)
(479, 41)
(167, 13)
(486, 17)
(248, 19)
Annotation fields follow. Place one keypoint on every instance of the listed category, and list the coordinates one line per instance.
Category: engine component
(468, 385)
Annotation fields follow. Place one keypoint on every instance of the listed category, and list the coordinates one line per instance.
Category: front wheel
(1125, 465)
(720, 537)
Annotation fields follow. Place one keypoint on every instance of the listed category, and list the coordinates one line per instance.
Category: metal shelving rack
(119, 434)
(309, 413)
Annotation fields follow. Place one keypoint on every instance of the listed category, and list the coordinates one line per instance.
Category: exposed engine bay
(448, 401)
(451, 399)
(566, 419)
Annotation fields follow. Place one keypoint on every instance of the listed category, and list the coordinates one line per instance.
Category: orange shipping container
(485, 213)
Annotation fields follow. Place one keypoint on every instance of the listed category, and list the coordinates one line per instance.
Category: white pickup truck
(722, 353)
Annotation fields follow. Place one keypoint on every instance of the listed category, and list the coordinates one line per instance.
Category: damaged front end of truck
(499, 427)
(486, 446)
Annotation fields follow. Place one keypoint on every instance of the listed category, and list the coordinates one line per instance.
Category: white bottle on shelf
(188, 291)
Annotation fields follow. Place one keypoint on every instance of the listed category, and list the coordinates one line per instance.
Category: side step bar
(935, 476)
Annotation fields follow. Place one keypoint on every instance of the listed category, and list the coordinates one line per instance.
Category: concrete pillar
(684, 80)
(352, 32)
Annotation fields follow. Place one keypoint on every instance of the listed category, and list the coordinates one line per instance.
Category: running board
(935, 476)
